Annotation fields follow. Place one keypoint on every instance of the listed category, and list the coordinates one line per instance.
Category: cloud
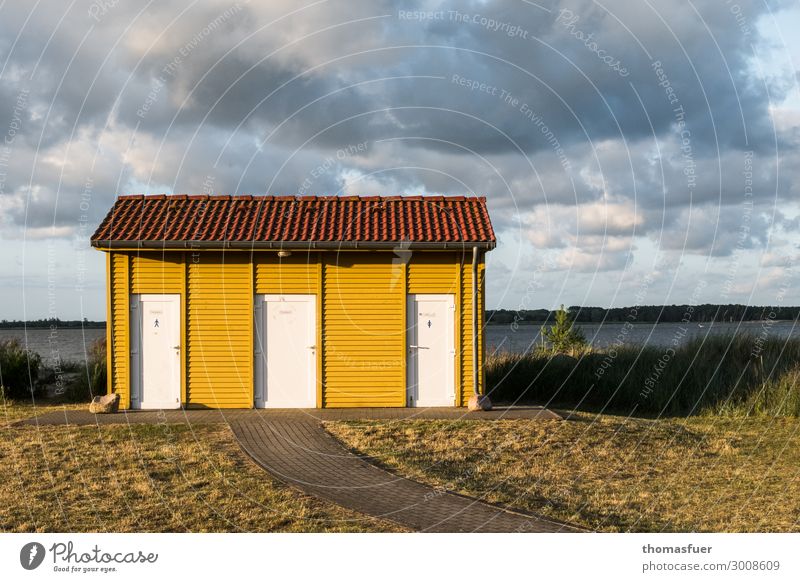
(597, 236)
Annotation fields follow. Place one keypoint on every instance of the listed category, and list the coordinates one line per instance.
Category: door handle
(311, 347)
(419, 347)
(176, 347)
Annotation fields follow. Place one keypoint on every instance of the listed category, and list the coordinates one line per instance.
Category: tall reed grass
(725, 374)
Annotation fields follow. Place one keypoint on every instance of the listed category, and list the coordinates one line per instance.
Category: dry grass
(608, 473)
(148, 478)
(11, 411)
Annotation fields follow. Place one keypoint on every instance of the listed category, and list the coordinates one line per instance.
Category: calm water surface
(69, 344)
(502, 338)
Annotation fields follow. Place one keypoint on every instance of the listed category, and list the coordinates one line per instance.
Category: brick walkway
(293, 446)
(303, 454)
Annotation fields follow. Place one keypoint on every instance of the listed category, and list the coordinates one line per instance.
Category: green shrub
(562, 336)
(93, 378)
(19, 370)
(733, 375)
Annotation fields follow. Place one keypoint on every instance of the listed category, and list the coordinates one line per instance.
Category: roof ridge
(306, 197)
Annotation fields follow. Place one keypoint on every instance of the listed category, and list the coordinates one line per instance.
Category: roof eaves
(289, 245)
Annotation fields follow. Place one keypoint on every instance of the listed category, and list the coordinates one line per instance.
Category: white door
(431, 350)
(285, 351)
(156, 351)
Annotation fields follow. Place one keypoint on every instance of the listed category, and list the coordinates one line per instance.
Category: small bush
(93, 378)
(19, 370)
(562, 336)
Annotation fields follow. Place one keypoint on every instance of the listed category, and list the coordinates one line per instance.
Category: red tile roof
(296, 221)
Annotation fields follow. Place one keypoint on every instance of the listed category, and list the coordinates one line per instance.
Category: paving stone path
(294, 447)
(303, 454)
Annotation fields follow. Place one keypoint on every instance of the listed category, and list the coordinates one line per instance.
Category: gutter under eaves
(290, 245)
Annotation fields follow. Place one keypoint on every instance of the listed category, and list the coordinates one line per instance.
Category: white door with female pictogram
(155, 351)
(285, 351)
(431, 350)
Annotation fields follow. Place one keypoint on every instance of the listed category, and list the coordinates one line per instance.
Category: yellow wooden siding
(433, 272)
(482, 322)
(120, 329)
(363, 339)
(109, 330)
(318, 339)
(361, 319)
(295, 274)
(466, 329)
(157, 272)
(220, 330)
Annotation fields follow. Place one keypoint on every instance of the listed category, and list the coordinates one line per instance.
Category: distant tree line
(649, 314)
(53, 321)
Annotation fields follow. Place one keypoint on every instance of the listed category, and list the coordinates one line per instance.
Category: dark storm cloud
(703, 70)
(545, 65)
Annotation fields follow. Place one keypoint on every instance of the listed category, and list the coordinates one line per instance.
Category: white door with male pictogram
(431, 350)
(155, 351)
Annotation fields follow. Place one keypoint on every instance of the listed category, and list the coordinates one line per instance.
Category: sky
(631, 152)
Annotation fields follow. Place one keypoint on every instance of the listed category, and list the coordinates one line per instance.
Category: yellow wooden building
(295, 302)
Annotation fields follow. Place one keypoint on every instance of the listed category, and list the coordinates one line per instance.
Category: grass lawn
(607, 473)
(145, 478)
